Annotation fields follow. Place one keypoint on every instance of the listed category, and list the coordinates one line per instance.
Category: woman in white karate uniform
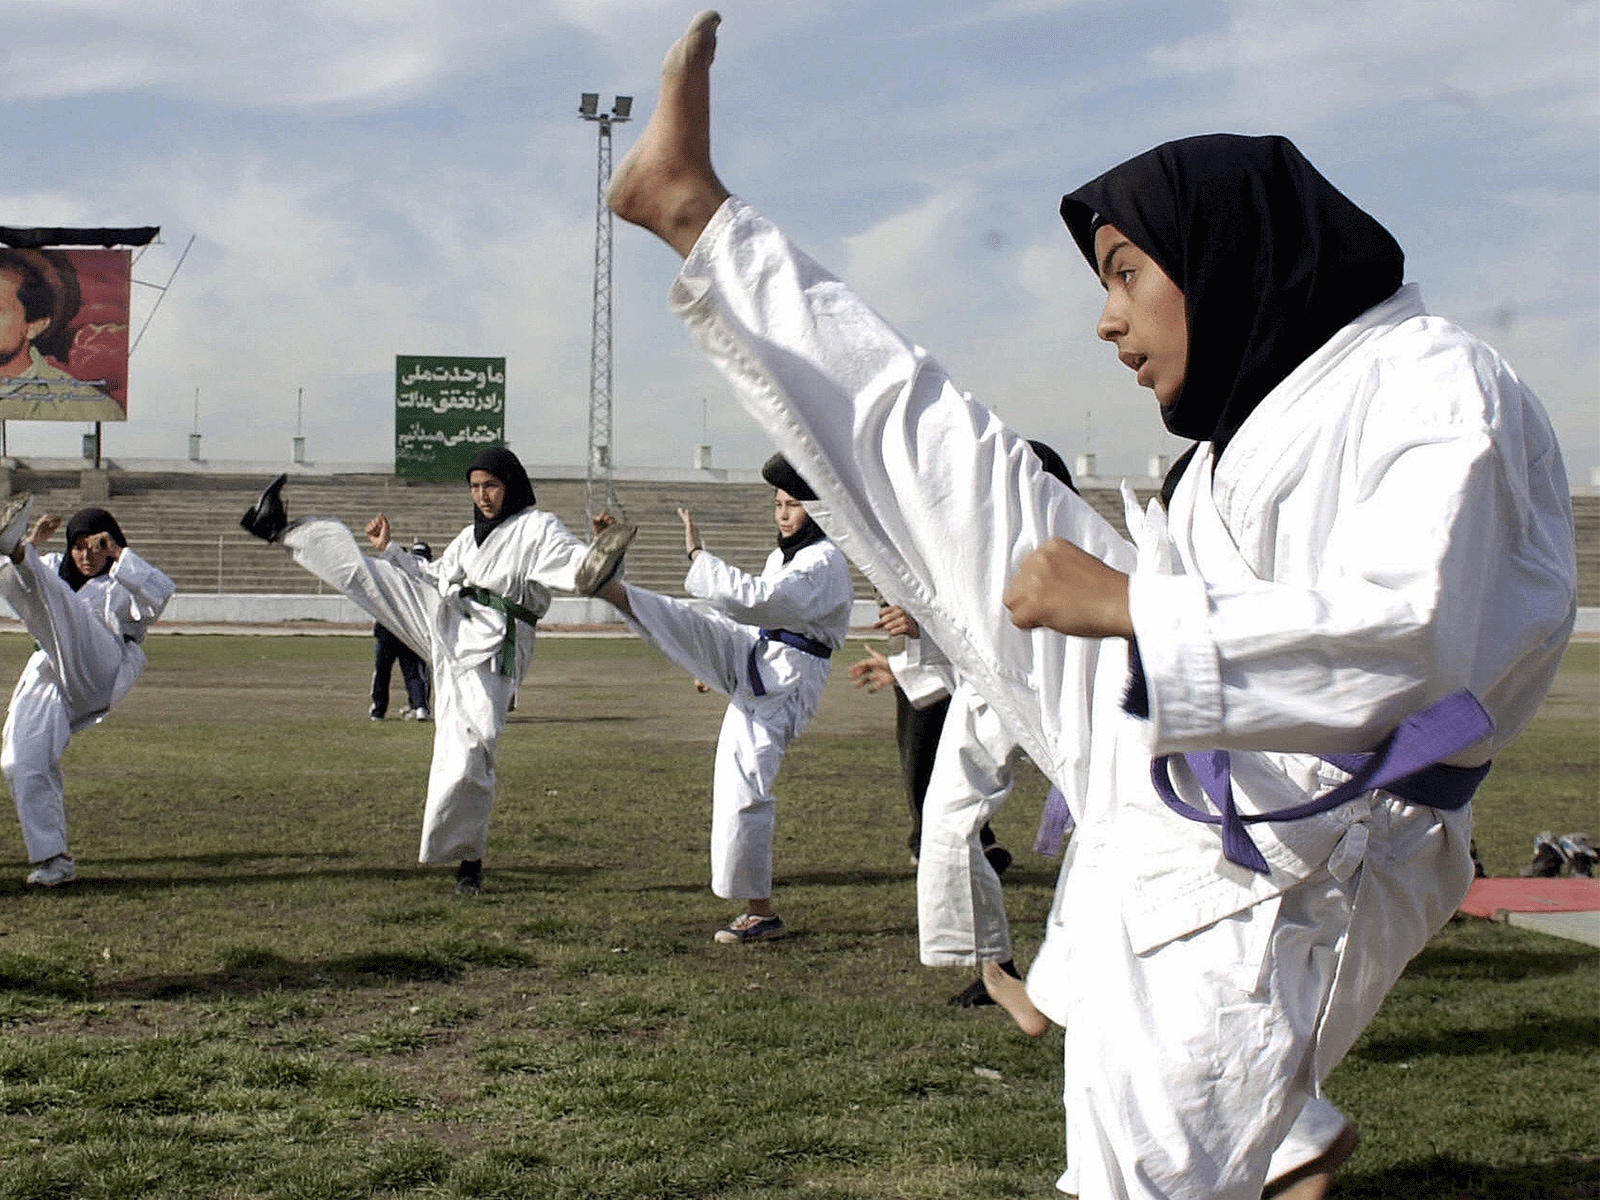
(471, 614)
(767, 645)
(88, 610)
(1370, 550)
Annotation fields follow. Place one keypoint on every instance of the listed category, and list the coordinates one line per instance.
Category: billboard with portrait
(64, 334)
(446, 409)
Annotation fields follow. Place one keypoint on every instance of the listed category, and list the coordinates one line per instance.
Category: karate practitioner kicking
(88, 610)
(1357, 592)
(961, 915)
(767, 646)
(471, 614)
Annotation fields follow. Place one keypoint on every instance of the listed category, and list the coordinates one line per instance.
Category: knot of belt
(789, 638)
(506, 661)
(1409, 763)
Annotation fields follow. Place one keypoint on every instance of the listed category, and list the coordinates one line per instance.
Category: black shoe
(999, 858)
(1581, 857)
(469, 877)
(267, 518)
(1547, 858)
(975, 995)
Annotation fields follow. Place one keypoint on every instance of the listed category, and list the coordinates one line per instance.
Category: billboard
(446, 409)
(64, 334)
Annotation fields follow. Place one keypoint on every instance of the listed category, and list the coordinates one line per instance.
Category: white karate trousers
(961, 910)
(756, 730)
(79, 671)
(469, 702)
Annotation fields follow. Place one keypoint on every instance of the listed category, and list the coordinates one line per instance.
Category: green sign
(446, 409)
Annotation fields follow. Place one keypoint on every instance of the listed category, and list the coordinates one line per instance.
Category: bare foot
(1311, 1182)
(1012, 995)
(615, 593)
(665, 183)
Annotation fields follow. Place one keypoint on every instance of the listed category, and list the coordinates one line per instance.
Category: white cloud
(369, 177)
(1327, 58)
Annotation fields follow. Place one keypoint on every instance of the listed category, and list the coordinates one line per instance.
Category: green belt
(513, 612)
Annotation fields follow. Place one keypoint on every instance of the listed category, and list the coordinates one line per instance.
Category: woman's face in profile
(1144, 315)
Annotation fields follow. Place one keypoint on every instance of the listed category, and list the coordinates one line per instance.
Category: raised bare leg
(615, 593)
(1311, 1182)
(1012, 995)
(665, 183)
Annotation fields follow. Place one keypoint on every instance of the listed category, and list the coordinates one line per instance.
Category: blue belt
(798, 640)
(1409, 764)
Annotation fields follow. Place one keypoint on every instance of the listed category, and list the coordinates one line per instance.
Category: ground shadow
(1553, 1035)
(226, 859)
(679, 889)
(844, 878)
(257, 971)
(595, 719)
(1447, 1178)
(506, 879)
(1467, 963)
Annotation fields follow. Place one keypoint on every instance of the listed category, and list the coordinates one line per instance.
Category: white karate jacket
(523, 559)
(809, 595)
(1391, 524)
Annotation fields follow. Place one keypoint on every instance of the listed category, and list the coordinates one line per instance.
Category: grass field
(253, 991)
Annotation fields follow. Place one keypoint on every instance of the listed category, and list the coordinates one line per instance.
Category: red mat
(1489, 896)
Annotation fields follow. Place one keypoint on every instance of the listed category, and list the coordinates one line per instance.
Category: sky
(367, 178)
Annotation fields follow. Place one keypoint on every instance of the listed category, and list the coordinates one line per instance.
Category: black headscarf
(1052, 463)
(1271, 258)
(780, 473)
(84, 522)
(507, 468)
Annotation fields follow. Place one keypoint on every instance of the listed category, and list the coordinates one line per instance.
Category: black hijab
(1271, 258)
(507, 468)
(1052, 463)
(84, 522)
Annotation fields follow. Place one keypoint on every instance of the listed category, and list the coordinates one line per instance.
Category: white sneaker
(14, 522)
(53, 872)
(421, 714)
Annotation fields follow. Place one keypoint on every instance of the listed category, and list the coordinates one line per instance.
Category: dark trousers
(386, 651)
(916, 732)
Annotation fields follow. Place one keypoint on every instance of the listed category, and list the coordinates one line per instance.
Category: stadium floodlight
(600, 491)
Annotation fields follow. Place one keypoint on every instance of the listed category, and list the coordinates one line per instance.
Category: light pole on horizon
(600, 492)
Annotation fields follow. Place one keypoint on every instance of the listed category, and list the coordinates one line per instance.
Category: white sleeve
(149, 587)
(557, 555)
(926, 491)
(786, 600)
(922, 671)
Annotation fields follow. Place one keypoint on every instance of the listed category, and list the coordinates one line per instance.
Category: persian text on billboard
(64, 335)
(446, 409)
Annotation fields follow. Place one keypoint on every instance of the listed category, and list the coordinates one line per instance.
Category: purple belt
(1409, 763)
(789, 638)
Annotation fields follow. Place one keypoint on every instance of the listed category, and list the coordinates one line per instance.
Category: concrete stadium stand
(183, 516)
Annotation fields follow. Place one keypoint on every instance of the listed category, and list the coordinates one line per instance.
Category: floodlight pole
(600, 491)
